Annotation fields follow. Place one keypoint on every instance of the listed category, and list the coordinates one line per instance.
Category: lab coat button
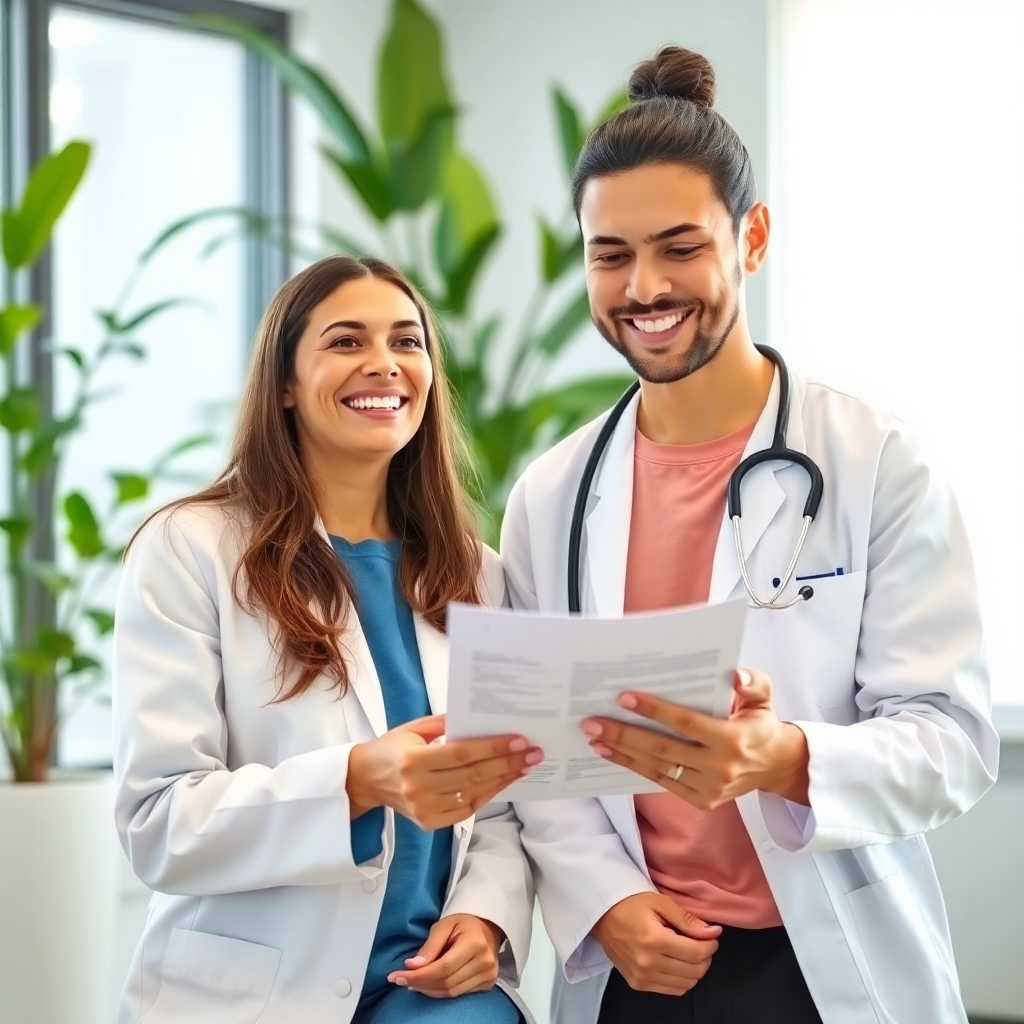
(343, 988)
(369, 885)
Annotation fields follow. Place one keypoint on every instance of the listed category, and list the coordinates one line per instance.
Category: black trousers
(753, 979)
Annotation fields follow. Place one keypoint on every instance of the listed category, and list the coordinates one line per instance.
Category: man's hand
(655, 944)
(720, 760)
(459, 956)
(433, 784)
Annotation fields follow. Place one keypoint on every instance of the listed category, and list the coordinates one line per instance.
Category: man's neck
(721, 398)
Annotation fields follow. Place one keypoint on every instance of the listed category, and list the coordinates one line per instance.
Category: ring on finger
(676, 771)
(458, 797)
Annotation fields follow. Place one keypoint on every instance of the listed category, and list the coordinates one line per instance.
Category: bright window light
(897, 189)
(70, 33)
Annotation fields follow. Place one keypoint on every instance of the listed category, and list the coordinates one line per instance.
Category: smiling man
(780, 876)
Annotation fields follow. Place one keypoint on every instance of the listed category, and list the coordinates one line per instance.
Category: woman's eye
(345, 341)
(409, 341)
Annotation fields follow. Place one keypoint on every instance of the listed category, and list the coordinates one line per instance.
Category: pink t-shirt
(704, 860)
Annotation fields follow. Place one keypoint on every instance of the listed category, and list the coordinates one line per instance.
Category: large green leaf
(411, 82)
(461, 279)
(18, 529)
(369, 183)
(83, 527)
(558, 254)
(14, 321)
(416, 167)
(130, 487)
(467, 214)
(55, 581)
(50, 187)
(19, 410)
(55, 643)
(102, 619)
(561, 330)
(570, 131)
(303, 79)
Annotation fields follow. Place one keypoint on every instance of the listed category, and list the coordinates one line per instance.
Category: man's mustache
(661, 306)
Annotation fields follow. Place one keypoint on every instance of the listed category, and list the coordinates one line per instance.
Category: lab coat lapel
(607, 527)
(762, 497)
(433, 647)
(363, 678)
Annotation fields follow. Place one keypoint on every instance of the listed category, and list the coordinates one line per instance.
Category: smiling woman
(279, 680)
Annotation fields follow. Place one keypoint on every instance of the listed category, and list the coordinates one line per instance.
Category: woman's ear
(288, 399)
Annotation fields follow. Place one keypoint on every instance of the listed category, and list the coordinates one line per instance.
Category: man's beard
(712, 326)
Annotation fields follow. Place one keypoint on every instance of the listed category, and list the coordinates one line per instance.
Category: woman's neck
(351, 497)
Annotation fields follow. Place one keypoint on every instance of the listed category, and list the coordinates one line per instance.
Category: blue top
(418, 874)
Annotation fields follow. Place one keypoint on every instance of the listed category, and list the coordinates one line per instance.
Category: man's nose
(647, 282)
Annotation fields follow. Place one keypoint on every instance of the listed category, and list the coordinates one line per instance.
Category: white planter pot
(58, 899)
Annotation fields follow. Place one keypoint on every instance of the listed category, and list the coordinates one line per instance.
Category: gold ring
(675, 773)
(458, 797)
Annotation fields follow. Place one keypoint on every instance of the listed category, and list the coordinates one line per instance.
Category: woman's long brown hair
(288, 571)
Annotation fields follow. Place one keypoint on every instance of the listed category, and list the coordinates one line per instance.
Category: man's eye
(683, 250)
(610, 258)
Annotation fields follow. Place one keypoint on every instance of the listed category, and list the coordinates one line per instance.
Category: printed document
(541, 675)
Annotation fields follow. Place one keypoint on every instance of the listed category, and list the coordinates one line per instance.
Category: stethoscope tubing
(777, 452)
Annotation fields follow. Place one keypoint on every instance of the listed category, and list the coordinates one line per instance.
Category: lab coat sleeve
(496, 884)
(580, 867)
(188, 824)
(924, 750)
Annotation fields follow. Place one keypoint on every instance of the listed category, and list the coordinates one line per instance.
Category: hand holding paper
(542, 675)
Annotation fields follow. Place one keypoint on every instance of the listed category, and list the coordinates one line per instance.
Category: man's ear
(754, 231)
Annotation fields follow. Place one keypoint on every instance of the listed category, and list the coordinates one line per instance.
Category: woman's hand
(434, 784)
(459, 956)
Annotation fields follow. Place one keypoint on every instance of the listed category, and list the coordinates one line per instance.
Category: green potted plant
(59, 856)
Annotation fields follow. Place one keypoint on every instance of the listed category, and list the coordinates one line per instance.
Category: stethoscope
(777, 452)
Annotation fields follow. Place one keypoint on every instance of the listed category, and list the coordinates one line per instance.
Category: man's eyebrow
(356, 325)
(679, 229)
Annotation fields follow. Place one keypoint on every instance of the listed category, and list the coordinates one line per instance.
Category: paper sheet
(541, 675)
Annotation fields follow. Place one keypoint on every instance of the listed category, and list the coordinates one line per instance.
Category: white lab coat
(883, 670)
(234, 808)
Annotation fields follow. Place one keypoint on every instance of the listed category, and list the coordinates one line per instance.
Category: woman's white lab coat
(882, 669)
(233, 808)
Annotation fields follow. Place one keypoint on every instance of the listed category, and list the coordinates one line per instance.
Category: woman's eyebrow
(399, 324)
(354, 325)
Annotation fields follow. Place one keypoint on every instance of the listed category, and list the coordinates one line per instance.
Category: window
(897, 165)
(180, 121)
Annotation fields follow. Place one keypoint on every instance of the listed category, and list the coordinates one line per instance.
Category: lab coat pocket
(211, 979)
(816, 640)
(900, 953)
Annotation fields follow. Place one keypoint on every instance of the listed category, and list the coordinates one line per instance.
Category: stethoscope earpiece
(806, 593)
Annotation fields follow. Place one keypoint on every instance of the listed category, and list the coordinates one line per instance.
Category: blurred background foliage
(437, 218)
(52, 615)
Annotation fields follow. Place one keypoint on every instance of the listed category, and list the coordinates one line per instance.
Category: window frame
(25, 139)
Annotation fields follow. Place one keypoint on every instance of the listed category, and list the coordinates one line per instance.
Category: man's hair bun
(674, 72)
